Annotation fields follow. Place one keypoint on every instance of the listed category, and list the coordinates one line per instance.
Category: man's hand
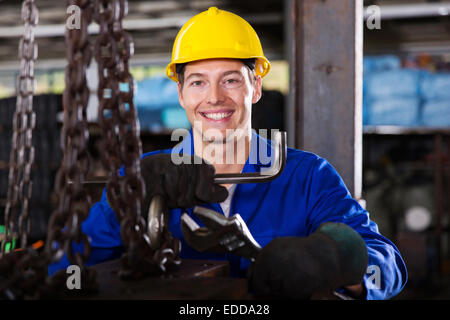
(182, 185)
(332, 257)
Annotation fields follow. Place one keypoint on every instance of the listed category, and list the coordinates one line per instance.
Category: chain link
(22, 150)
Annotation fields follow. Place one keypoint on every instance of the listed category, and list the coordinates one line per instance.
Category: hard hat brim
(262, 64)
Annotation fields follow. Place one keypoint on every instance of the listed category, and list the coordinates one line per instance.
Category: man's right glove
(292, 267)
(181, 185)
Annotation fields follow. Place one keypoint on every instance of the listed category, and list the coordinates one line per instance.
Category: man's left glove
(334, 256)
(181, 185)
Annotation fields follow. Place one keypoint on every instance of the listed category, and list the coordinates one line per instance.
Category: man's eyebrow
(195, 74)
(201, 75)
(231, 72)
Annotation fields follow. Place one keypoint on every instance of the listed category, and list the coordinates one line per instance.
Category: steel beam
(58, 30)
(326, 82)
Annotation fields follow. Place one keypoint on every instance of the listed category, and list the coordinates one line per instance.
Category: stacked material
(404, 96)
(436, 99)
(391, 94)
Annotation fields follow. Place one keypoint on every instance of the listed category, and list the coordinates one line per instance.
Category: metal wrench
(221, 234)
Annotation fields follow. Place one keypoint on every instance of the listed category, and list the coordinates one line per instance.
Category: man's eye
(196, 83)
(232, 81)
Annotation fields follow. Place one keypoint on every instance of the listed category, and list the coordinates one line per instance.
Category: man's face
(219, 93)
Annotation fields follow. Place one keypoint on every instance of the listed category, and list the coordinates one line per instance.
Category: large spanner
(221, 234)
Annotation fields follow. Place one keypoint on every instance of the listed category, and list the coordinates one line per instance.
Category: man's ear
(180, 95)
(257, 89)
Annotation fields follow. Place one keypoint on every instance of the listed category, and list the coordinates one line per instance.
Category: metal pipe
(411, 10)
(274, 171)
(57, 30)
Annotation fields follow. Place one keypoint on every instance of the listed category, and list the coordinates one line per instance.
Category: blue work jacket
(308, 193)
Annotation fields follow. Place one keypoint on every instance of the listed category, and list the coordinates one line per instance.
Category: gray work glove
(292, 267)
(181, 186)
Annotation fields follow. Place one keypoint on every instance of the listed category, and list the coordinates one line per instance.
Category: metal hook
(280, 154)
(156, 220)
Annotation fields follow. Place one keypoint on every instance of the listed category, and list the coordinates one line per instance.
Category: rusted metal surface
(295, 54)
(22, 150)
(190, 269)
(196, 279)
(326, 82)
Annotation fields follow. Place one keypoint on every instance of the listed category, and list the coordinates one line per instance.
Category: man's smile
(219, 115)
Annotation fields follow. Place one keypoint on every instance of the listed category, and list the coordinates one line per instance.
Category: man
(218, 64)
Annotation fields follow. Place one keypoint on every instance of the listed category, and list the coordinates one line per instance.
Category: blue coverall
(308, 193)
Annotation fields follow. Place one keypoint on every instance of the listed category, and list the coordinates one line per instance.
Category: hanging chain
(74, 202)
(21, 273)
(22, 150)
(122, 145)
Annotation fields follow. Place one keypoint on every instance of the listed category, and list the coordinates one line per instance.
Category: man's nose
(215, 95)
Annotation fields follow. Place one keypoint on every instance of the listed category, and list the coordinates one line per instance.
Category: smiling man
(313, 234)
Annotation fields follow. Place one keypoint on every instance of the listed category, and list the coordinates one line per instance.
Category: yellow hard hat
(217, 34)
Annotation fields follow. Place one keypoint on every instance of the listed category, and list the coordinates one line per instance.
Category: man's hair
(249, 63)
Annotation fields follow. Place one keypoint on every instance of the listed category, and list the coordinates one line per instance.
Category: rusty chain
(121, 143)
(74, 202)
(22, 150)
(21, 273)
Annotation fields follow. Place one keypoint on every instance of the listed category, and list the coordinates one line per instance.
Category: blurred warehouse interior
(406, 111)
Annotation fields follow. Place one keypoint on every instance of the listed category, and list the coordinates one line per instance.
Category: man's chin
(223, 136)
(219, 135)
(214, 135)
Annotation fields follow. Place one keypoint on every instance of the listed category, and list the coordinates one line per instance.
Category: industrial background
(373, 97)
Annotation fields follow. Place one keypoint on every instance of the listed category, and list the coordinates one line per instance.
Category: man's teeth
(217, 116)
